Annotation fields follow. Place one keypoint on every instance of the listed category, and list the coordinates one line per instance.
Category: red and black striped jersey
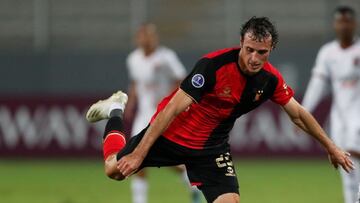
(222, 93)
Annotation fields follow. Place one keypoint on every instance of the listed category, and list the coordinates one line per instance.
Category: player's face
(147, 37)
(254, 53)
(345, 26)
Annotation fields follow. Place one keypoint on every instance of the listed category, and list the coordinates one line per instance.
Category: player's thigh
(214, 175)
(131, 144)
(160, 153)
(163, 153)
(228, 198)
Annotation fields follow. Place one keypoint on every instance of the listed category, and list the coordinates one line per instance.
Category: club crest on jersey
(258, 95)
(198, 80)
(226, 92)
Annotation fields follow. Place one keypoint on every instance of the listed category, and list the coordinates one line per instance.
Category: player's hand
(338, 157)
(129, 164)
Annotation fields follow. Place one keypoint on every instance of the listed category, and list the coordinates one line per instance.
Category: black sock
(114, 123)
(116, 113)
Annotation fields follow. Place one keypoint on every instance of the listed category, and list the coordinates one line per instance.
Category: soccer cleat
(101, 109)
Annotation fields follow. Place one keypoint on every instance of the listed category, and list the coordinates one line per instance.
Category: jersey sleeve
(321, 69)
(201, 79)
(283, 93)
(316, 90)
(319, 84)
(177, 69)
(130, 68)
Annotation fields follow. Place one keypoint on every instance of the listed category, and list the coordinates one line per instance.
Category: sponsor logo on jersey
(226, 92)
(198, 80)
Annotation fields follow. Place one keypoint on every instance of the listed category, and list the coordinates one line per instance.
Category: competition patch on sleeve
(198, 80)
(201, 79)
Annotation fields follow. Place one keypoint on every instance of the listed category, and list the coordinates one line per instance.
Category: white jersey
(337, 70)
(154, 76)
(358, 196)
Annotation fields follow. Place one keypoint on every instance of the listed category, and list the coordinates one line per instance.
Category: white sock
(358, 197)
(139, 187)
(350, 182)
(114, 106)
(195, 193)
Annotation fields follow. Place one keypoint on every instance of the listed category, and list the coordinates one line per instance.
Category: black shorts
(211, 170)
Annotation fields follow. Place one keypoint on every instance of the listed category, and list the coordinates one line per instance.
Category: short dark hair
(260, 28)
(343, 10)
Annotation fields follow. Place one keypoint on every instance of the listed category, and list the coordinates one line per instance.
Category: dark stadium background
(57, 57)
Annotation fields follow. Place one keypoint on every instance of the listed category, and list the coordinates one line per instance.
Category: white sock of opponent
(358, 197)
(195, 193)
(139, 187)
(350, 182)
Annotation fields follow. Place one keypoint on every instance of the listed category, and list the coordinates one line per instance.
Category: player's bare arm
(176, 84)
(131, 162)
(307, 122)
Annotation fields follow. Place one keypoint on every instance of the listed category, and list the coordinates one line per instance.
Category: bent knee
(228, 198)
(114, 174)
(110, 168)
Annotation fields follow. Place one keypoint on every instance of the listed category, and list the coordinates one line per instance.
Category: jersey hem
(192, 98)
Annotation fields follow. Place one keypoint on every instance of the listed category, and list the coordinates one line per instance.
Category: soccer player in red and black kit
(192, 125)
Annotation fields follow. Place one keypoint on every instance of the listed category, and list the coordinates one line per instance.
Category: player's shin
(195, 193)
(113, 142)
(114, 138)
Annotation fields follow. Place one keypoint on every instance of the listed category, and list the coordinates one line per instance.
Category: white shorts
(347, 138)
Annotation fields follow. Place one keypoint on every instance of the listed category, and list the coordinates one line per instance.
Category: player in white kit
(154, 71)
(358, 197)
(337, 70)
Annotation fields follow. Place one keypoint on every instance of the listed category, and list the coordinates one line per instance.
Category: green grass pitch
(83, 181)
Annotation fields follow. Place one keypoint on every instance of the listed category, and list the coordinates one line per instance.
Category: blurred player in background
(358, 196)
(192, 125)
(337, 70)
(154, 71)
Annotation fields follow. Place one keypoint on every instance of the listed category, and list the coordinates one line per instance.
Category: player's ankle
(116, 113)
(116, 109)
